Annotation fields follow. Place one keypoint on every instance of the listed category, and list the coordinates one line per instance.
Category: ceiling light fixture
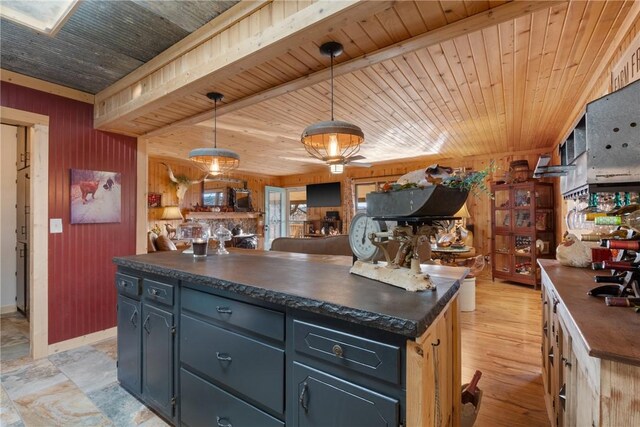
(215, 161)
(333, 142)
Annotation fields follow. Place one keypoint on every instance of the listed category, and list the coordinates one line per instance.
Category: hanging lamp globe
(215, 161)
(332, 141)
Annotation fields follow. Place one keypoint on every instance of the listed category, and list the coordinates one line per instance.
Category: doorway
(37, 131)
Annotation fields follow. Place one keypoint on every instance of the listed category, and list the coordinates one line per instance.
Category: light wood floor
(502, 339)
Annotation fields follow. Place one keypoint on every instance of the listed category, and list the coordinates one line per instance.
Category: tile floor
(73, 388)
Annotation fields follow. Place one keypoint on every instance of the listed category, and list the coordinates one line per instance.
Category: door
(21, 276)
(157, 358)
(129, 354)
(275, 208)
(22, 205)
(325, 400)
(9, 250)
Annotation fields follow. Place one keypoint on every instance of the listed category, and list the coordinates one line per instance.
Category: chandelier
(333, 141)
(215, 161)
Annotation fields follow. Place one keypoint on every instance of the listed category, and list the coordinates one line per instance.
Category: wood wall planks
(82, 297)
(479, 207)
(159, 182)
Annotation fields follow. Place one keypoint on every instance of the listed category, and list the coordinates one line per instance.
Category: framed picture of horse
(95, 196)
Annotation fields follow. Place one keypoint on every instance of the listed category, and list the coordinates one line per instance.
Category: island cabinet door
(129, 345)
(325, 400)
(157, 354)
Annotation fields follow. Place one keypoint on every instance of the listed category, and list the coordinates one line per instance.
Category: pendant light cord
(332, 86)
(215, 123)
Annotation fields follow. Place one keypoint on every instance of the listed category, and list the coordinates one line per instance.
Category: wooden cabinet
(523, 230)
(146, 332)
(582, 390)
(236, 360)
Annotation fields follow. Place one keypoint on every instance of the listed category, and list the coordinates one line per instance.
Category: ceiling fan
(336, 164)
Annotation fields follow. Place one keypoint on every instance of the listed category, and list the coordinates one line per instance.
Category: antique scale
(414, 210)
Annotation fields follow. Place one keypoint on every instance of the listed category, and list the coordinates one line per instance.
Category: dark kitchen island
(267, 338)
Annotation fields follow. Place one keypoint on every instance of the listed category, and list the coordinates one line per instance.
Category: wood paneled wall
(82, 297)
(479, 206)
(159, 182)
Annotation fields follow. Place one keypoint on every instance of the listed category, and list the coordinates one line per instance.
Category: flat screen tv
(324, 195)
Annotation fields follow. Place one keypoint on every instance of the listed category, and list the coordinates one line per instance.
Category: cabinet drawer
(325, 400)
(161, 293)
(128, 285)
(254, 369)
(203, 404)
(353, 352)
(256, 319)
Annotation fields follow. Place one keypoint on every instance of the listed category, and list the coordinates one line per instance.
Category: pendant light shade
(215, 161)
(332, 141)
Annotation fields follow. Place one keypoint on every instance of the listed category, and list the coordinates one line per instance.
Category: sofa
(329, 245)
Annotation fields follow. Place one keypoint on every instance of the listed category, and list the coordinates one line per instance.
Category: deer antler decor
(182, 184)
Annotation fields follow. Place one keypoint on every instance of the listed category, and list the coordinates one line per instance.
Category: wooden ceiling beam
(477, 22)
(253, 40)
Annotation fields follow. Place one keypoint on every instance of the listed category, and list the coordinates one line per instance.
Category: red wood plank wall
(82, 296)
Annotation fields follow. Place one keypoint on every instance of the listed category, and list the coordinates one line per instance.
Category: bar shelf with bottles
(597, 216)
(619, 230)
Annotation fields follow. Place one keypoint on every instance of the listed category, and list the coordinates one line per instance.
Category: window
(297, 211)
(44, 16)
(367, 185)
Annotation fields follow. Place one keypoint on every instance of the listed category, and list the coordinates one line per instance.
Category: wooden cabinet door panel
(129, 351)
(325, 400)
(157, 353)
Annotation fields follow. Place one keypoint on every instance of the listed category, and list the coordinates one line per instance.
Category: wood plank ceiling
(443, 78)
(103, 40)
(508, 87)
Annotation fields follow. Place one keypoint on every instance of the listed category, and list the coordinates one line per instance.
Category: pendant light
(215, 161)
(333, 141)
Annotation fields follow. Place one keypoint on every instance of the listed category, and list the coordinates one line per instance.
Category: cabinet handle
(562, 395)
(124, 284)
(337, 350)
(545, 328)
(153, 291)
(301, 399)
(134, 316)
(566, 362)
(223, 357)
(545, 302)
(221, 424)
(555, 305)
(223, 310)
(145, 325)
(551, 355)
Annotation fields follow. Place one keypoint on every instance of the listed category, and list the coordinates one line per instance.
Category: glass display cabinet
(523, 230)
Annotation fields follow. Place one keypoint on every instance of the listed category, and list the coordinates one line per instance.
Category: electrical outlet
(55, 225)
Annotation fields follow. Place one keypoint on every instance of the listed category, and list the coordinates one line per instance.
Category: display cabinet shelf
(523, 230)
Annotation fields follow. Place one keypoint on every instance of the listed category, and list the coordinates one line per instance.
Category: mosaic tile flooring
(73, 388)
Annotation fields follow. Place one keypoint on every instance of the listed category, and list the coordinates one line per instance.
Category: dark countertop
(610, 333)
(319, 284)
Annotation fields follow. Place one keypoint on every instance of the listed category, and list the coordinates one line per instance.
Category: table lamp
(172, 213)
(463, 212)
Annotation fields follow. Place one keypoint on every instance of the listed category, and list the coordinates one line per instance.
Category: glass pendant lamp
(215, 161)
(332, 141)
